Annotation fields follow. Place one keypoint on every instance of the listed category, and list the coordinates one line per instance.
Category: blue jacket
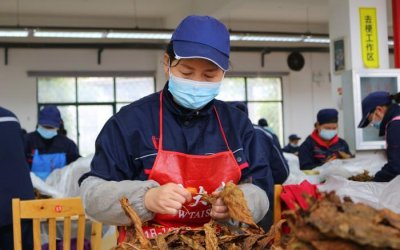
(279, 168)
(126, 146)
(290, 149)
(58, 144)
(314, 152)
(392, 168)
(15, 181)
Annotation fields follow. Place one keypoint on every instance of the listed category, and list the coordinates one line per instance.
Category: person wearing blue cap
(15, 181)
(323, 144)
(278, 168)
(178, 138)
(47, 150)
(293, 146)
(380, 109)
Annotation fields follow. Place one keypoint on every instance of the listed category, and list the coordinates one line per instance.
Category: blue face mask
(376, 124)
(46, 133)
(327, 134)
(192, 94)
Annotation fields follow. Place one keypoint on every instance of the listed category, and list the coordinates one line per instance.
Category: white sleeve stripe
(8, 119)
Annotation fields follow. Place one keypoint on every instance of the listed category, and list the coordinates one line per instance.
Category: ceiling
(251, 15)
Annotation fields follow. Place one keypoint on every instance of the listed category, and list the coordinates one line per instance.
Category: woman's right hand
(166, 199)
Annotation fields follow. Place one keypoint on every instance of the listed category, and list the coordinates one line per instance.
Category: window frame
(76, 104)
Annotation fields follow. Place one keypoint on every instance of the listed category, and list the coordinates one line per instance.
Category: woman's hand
(166, 199)
(219, 211)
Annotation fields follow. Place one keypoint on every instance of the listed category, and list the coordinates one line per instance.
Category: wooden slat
(277, 203)
(81, 233)
(37, 241)
(52, 234)
(16, 224)
(67, 233)
(96, 234)
(51, 208)
(277, 207)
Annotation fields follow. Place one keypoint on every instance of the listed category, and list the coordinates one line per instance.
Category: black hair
(395, 97)
(171, 54)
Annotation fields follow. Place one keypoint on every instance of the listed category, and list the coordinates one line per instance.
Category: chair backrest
(277, 207)
(53, 210)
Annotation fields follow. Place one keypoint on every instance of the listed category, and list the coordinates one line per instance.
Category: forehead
(197, 63)
(329, 125)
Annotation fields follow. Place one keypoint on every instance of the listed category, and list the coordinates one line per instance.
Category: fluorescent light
(14, 33)
(316, 40)
(140, 35)
(265, 38)
(68, 34)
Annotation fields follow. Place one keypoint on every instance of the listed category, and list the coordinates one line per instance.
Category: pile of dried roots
(213, 236)
(332, 224)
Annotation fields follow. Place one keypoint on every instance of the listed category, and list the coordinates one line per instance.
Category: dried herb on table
(212, 236)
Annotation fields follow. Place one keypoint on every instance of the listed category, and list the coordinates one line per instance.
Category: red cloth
(294, 195)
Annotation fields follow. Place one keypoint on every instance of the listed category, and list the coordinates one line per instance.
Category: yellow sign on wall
(369, 37)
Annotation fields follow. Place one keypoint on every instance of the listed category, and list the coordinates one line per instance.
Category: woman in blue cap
(47, 150)
(380, 110)
(181, 137)
(323, 144)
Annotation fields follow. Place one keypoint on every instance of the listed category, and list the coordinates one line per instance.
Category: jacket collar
(185, 113)
(393, 110)
(315, 136)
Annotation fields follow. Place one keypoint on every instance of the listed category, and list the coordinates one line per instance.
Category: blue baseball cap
(202, 37)
(370, 102)
(294, 137)
(50, 116)
(327, 116)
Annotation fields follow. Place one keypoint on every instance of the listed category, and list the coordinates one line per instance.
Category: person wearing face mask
(323, 144)
(47, 150)
(381, 110)
(180, 137)
(293, 146)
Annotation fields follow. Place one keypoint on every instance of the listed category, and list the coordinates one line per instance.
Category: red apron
(205, 173)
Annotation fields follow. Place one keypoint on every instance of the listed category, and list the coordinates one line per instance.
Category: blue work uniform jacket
(279, 168)
(314, 152)
(290, 149)
(58, 145)
(126, 147)
(391, 130)
(15, 181)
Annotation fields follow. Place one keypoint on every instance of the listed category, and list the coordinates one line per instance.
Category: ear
(166, 65)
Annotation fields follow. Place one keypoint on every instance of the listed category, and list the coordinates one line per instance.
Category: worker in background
(47, 150)
(293, 146)
(323, 145)
(278, 168)
(278, 165)
(15, 181)
(381, 110)
(156, 147)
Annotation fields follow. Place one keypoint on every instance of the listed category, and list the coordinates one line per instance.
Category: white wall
(303, 94)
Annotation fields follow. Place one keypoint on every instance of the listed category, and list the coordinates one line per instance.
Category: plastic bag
(354, 166)
(296, 176)
(63, 182)
(375, 194)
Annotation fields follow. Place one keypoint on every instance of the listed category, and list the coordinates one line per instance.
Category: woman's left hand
(219, 211)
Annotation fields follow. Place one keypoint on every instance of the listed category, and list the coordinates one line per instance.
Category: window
(86, 103)
(263, 96)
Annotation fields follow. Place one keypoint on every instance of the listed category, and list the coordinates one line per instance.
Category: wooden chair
(277, 203)
(277, 206)
(52, 209)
